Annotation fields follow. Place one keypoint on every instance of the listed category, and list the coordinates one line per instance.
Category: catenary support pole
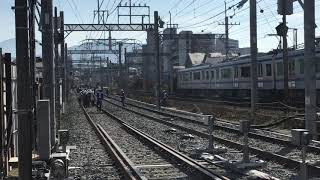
(285, 57)
(254, 54)
(48, 62)
(157, 56)
(226, 19)
(126, 74)
(120, 66)
(8, 82)
(23, 90)
(57, 66)
(309, 68)
(2, 129)
(63, 60)
(32, 49)
(67, 71)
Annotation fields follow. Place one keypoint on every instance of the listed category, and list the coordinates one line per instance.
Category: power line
(185, 8)
(222, 12)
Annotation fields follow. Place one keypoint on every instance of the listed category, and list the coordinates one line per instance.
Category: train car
(232, 78)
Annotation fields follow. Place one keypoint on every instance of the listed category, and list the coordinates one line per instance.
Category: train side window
(245, 71)
(196, 76)
(268, 70)
(236, 72)
(186, 77)
(190, 76)
(260, 72)
(317, 66)
(218, 73)
(226, 73)
(212, 74)
(207, 75)
(301, 62)
(279, 69)
(291, 68)
(203, 77)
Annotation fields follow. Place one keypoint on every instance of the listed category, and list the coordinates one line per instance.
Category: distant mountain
(9, 46)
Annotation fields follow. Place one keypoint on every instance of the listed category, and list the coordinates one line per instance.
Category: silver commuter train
(232, 77)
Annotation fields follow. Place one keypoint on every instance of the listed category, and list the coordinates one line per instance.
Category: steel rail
(202, 172)
(112, 151)
(310, 148)
(293, 164)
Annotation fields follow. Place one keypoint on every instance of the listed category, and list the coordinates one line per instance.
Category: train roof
(246, 58)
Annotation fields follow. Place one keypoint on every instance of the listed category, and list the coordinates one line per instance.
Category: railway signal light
(282, 29)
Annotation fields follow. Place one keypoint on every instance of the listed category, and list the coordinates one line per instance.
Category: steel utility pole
(7, 61)
(226, 19)
(226, 26)
(157, 55)
(285, 56)
(108, 72)
(3, 171)
(63, 59)
(57, 67)
(24, 90)
(67, 71)
(120, 66)
(126, 69)
(254, 56)
(32, 48)
(48, 62)
(309, 68)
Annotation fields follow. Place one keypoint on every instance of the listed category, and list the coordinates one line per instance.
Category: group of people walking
(90, 97)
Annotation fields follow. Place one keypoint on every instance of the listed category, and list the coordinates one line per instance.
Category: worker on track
(99, 96)
(164, 98)
(107, 92)
(92, 98)
(123, 97)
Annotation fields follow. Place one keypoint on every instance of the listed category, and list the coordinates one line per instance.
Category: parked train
(232, 77)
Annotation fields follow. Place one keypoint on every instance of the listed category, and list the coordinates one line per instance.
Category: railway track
(266, 147)
(221, 124)
(89, 160)
(239, 102)
(146, 157)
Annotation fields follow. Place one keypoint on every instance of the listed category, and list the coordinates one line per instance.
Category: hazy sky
(195, 15)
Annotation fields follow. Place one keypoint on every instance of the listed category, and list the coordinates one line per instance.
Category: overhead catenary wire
(216, 15)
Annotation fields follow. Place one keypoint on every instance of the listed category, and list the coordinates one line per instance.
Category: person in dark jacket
(164, 98)
(123, 97)
(99, 96)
